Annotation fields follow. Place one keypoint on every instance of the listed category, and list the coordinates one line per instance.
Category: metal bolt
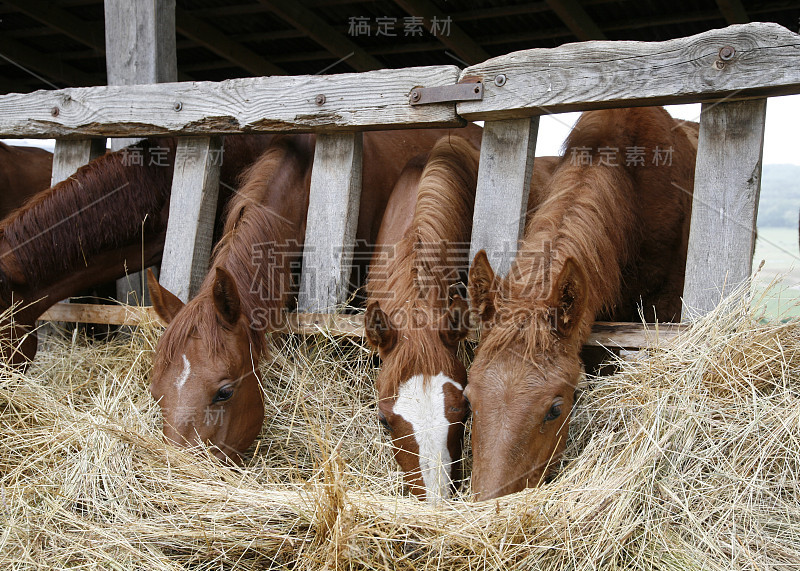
(477, 88)
(178, 106)
(719, 64)
(415, 95)
(54, 112)
(500, 80)
(726, 53)
(320, 99)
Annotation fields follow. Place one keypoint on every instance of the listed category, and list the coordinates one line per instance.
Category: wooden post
(140, 48)
(726, 188)
(192, 207)
(332, 220)
(504, 179)
(71, 155)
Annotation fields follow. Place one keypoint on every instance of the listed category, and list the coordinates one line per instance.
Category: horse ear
(482, 287)
(456, 322)
(226, 297)
(568, 299)
(166, 303)
(381, 334)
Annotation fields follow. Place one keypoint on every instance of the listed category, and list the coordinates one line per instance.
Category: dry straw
(686, 459)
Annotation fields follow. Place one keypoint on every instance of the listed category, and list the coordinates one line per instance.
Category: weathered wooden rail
(730, 71)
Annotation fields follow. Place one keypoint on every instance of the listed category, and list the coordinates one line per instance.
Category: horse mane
(420, 267)
(416, 276)
(588, 214)
(585, 217)
(255, 236)
(41, 233)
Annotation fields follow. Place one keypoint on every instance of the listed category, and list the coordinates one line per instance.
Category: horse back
(24, 171)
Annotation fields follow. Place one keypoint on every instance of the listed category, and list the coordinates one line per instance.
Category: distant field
(778, 248)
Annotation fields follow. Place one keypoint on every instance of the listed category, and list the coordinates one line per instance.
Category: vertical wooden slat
(140, 48)
(726, 188)
(193, 203)
(504, 177)
(69, 156)
(332, 221)
(140, 45)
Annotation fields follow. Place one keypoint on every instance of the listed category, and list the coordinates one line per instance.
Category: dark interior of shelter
(63, 41)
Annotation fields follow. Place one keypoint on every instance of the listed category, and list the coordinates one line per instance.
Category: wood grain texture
(726, 188)
(69, 156)
(193, 203)
(504, 178)
(140, 42)
(140, 48)
(603, 74)
(331, 222)
(626, 335)
(370, 100)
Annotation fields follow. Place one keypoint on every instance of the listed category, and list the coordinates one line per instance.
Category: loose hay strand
(686, 459)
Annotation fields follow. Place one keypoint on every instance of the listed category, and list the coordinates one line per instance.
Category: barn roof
(61, 43)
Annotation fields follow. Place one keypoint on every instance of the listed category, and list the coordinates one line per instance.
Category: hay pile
(687, 460)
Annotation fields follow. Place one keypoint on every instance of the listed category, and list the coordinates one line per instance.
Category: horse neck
(265, 231)
(586, 216)
(95, 217)
(437, 241)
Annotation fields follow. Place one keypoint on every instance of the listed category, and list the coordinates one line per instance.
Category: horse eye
(223, 394)
(554, 413)
(384, 422)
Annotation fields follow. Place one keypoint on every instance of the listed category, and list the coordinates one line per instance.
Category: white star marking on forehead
(187, 370)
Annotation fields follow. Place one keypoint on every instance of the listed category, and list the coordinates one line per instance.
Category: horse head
(522, 381)
(420, 392)
(205, 374)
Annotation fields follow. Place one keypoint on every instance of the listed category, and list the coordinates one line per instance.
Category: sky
(781, 135)
(781, 132)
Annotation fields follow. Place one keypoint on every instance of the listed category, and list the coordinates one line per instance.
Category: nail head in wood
(320, 99)
(726, 53)
(178, 106)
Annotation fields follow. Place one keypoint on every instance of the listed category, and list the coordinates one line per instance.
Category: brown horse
(414, 320)
(608, 238)
(24, 171)
(205, 372)
(105, 220)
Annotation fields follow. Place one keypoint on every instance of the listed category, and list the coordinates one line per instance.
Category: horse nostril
(383, 421)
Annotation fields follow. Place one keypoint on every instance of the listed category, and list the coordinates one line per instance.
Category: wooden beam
(604, 74)
(455, 38)
(607, 334)
(217, 42)
(140, 49)
(504, 179)
(69, 156)
(55, 18)
(727, 182)
(371, 100)
(500, 11)
(192, 207)
(323, 33)
(331, 223)
(733, 11)
(141, 45)
(48, 65)
(576, 19)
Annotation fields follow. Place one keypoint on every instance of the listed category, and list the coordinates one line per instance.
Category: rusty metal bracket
(446, 93)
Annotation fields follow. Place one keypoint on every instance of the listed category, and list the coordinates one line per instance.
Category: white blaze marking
(422, 406)
(187, 370)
